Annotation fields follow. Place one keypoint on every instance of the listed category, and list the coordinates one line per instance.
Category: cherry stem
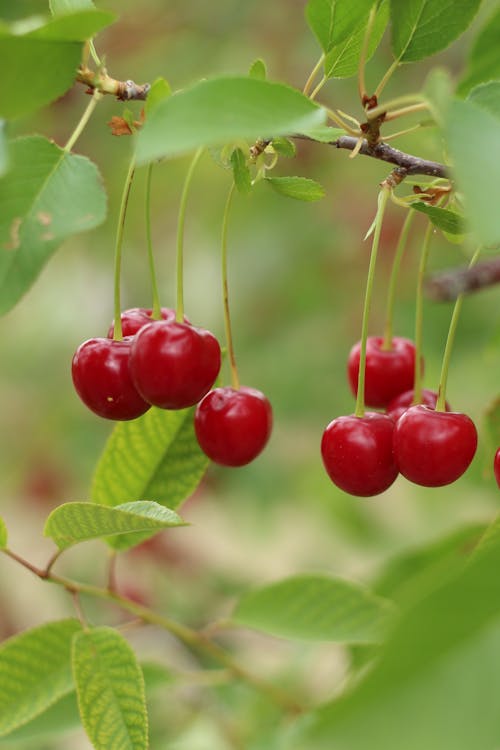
(386, 77)
(118, 333)
(235, 380)
(396, 265)
(382, 203)
(443, 380)
(419, 314)
(411, 100)
(364, 55)
(179, 312)
(82, 123)
(314, 73)
(156, 313)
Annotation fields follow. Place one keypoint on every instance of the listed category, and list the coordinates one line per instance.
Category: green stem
(83, 121)
(419, 314)
(318, 88)
(393, 104)
(396, 265)
(364, 55)
(312, 76)
(382, 203)
(179, 313)
(235, 380)
(386, 78)
(156, 314)
(443, 380)
(118, 333)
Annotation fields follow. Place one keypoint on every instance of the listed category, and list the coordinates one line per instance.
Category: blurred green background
(297, 275)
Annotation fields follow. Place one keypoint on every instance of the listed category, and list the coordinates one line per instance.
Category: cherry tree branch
(123, 90)
(446, 286)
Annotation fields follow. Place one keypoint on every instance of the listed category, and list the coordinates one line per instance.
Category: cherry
(401, 403)
(388, 372)
(358, 455)
(434, 448)
(100, 370)
(137, 317)
(496, 466)
(174, 364)
(233, 425)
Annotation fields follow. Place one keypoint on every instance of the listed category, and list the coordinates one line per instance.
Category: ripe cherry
(388, 372)
(358, 455)
(137, 317)
(173, 365)
(101, 377)
(496, 466)
(401, 403)
(434, 448)
(233, 425)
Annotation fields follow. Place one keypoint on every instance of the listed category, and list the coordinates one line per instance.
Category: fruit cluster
(171, 365)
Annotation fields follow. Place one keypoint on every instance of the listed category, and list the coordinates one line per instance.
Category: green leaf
(342, 60)
(4, 156)
(221, 110)
(333, 21)
(284, 147)
(258, 70)
(476, 169)
(300, 188)
(3, 534)
(487, 96)
(76, 522)
(316, 608)
(324, 134)
(438, 89)
(35, 671)
(241, 172)
(155, 457)
(61, 7)
(159, 91)
(492, 426)
(73, 27)
(422, 27)
(484, 61)
(46, 196)
(442, 218)
(110, 689)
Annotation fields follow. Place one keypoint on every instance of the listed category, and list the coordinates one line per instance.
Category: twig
(123, 90)
(448, 285)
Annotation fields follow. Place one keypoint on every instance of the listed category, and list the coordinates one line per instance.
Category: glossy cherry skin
(137, 317)
(496, 466)
(358, 455)
(388, 373)
(102, 380)
(401, 403)
(434, 448)
(233, 425)
(173, 365)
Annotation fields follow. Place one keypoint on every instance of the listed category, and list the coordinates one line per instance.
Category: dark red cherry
(388, 373)
(357, 453)
(102, 379)
(496, 466)
(174, 364)
(401, 403)
(233, 426)
(137, 317)
(434, 448)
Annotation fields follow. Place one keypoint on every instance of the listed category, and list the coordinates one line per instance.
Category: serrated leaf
(61, 7)
(3, 534)
(484, 61)
(223, 110)
(159, 91)
(258, 70)
(442, 218)
(316, 608)
(284, 147)
(46, 196)
(487, 97)
(423, 27)
(342, 60)
(110, 689)
(241, 172)
(35, 671)
(332, 21)
(300, 188)
(76, 522)
(155, 457)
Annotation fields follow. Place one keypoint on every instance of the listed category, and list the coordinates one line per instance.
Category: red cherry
(174, 364)
(434, 448)
(401, 403)
(102, 379)
(233, 426)
(357, 453)
(136, 317)
(388, 372)
(496, 466)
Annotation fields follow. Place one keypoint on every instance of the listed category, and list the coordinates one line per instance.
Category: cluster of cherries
(171, 365)
(363, 455)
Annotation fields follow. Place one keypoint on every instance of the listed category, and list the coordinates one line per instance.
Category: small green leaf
(224, 110)
(35, 671)
(241, 172)
(442, 218)
(284, 147)
(159, 91)
(316, 608)
(3, 534)
(110, 689)
(438, 89)
(46, 196)
(342, 60)
(300, 188)
(258, 70)
(324, 134)
(76, 522)
(62, 7)
(484, 61)
(487, 96)
(422, 27)
(333, 21)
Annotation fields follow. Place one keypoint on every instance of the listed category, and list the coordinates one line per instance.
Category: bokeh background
(297, 275)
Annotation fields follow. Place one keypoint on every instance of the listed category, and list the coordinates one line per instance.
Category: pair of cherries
(171, 365)
(364, 455)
